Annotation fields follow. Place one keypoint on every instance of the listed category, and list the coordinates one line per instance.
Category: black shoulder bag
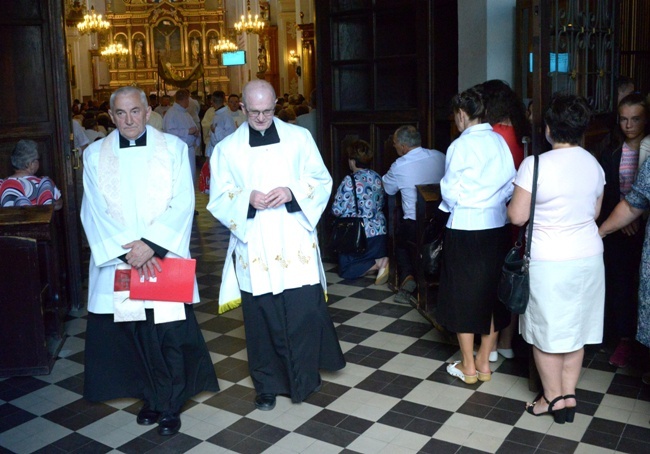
(349, 234)
(514, 285)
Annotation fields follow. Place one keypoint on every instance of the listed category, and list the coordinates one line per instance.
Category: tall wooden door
(372, 65)
(34, 99)
(567, 46)
(378, 65)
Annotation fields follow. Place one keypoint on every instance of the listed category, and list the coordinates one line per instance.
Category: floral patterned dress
(370, 195)
(639, 197)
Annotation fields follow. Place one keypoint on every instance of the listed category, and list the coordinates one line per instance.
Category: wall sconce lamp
(294, 59)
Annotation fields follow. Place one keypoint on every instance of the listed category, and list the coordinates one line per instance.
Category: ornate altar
(177, 36)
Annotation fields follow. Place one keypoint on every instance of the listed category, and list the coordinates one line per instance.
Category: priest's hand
(148, 270)
(257, 200)
(277, 197)
(139, 254)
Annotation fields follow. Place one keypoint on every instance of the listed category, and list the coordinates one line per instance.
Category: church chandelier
(93, 23)
(248, 23)
(225, 45)
(114, 50)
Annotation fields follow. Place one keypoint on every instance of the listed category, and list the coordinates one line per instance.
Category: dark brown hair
(360, 151)
(470, 101)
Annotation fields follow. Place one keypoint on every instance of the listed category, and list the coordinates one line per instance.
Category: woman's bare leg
(466, 342)
(551, 370)
(488, 344)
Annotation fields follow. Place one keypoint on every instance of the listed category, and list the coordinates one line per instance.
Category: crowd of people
(269, 186)
(577, 280)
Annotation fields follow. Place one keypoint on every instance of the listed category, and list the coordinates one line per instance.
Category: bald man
(270, 186)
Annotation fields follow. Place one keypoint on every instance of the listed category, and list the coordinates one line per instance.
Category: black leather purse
(514, 285)
(431, 252)
(349, 234)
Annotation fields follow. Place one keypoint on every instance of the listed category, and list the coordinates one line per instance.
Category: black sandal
(559, 416)
(570, 411)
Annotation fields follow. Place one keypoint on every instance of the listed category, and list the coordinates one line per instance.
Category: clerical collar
(257, 139)
(139, 142)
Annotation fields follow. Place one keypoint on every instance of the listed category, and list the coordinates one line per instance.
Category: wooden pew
(32, 293)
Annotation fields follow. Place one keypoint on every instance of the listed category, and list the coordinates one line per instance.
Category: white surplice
(152, 198)
(276, 250)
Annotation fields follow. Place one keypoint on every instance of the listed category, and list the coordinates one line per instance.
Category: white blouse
(479, 172)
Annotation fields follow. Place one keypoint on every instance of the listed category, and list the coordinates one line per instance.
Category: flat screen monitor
(233, 58)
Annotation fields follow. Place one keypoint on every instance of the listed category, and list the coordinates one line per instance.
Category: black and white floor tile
(393, 397)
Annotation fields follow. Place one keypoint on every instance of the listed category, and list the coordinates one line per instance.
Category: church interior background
(184, 40)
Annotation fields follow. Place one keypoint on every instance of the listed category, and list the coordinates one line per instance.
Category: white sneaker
(493, 358)
(507, 353)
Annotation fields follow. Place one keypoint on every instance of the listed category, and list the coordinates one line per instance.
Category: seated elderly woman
(24, 188)
(370, 196)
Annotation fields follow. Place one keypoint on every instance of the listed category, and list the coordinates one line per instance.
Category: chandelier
(225, 45)
(114, 50)
(250, 25)
(93, 23)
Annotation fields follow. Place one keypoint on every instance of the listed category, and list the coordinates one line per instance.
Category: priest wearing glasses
(269, 188)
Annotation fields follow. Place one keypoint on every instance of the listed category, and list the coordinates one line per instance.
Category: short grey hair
(129, 89)
(408, 135)
(25, 152)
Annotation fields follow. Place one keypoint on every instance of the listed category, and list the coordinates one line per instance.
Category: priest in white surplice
(137, 208)
(179, 122)
(270, 187)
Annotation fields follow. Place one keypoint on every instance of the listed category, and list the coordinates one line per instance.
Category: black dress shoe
(147, 416)
(169, 424)
(265, 402)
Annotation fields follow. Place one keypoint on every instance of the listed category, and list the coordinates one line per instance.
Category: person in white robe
(222, 126)
(179, 122)
(208, 116)
(156, 120)
(234, 109)
(270, 187)
(137, 209)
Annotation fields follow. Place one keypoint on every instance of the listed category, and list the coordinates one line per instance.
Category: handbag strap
(532, 207)
(354, 192)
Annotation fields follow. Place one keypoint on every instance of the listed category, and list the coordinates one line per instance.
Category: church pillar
(129, 39)
(204, 43)
(185, 43)
(149, 47)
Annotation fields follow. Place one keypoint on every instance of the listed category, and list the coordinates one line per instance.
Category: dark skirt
(469, 276)
(164, 364)
(289, 337)
(353, 266)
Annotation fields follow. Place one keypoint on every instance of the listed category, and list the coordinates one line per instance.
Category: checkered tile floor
(394, 396)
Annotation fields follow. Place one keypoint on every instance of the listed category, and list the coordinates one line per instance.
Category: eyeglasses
(256, 113)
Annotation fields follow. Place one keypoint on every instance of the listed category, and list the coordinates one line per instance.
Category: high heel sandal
(570, 411)
(559, 416)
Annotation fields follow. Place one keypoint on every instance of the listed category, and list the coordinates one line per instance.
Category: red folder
(174, 283)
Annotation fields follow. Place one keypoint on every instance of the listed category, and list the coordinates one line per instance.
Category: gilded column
(185, 45)
(149, 47)
(128, 35)
(204, 44)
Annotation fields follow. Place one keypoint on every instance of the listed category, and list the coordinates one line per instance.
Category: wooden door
(378, 65)
(34, 99)
(567, 46)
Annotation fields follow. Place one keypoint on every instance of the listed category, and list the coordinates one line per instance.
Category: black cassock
(165, 364)
(289, 336)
